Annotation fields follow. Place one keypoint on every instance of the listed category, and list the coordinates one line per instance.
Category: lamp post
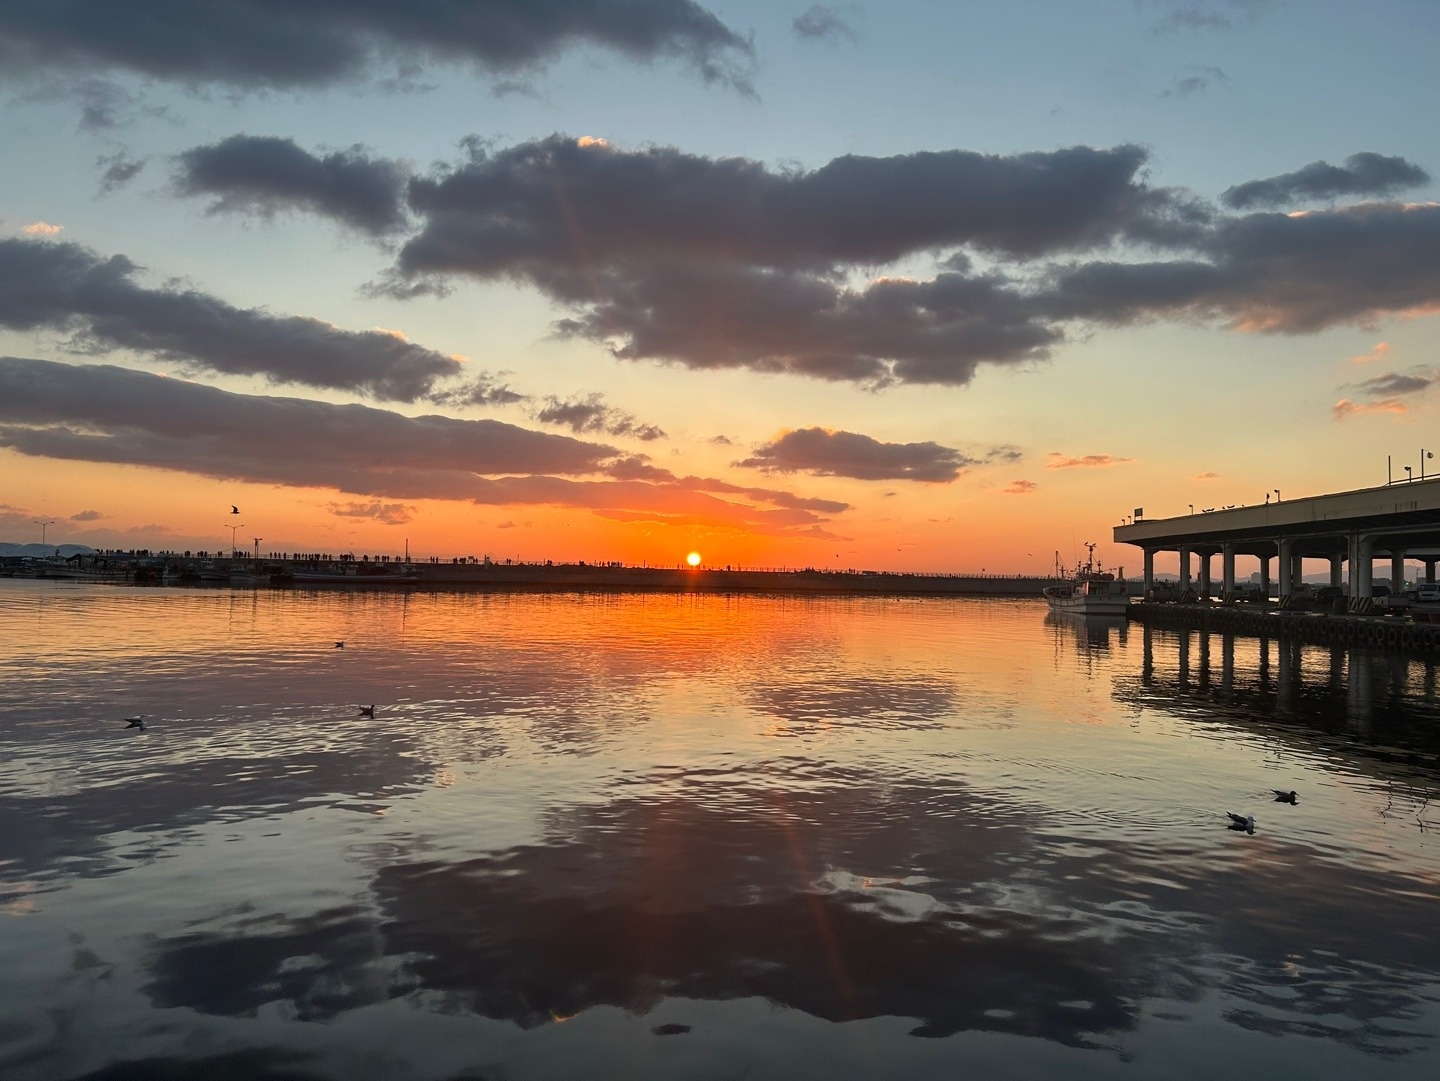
(233, 528)
(1408, 477)
(1277, 495)
(42, 523)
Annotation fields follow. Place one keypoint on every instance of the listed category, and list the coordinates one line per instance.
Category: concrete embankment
(1394, 631)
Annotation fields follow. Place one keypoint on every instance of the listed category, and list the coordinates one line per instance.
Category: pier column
(1205, 573)
(1287, 567)
(1227, 568)
(1336, 564)
(1361, 566)
(1264, 578)
(1184, 568)
(1430, 572)
(1397, 572)
(1150, 569)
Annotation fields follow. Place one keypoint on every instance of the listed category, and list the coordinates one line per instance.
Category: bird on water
(1241, 822)
(367, 711)
(339, 645)
(135, 722)
(1281, 796)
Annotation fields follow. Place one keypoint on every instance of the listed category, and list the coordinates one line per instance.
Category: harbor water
(611, 835)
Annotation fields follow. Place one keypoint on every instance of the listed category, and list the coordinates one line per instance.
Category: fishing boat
(1088, 590)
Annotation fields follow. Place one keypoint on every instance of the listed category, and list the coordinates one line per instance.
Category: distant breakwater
(716, 580)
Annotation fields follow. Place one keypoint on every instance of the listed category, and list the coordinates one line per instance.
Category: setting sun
(693, 559)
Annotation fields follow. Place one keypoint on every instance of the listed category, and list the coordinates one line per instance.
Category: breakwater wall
(498, 576)
(1394, 631)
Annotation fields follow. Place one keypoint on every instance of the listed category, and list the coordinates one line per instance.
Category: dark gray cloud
(69, 288)
(1285, 273)
(1393, 384)
(262, 175)
(119, 170)
(102, 413)
(1363, 174)
(279, 44)
(589, 413)
(821, 23)
(848, 454)
(557, 203)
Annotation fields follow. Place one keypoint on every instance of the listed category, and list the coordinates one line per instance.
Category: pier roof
(1406, 513)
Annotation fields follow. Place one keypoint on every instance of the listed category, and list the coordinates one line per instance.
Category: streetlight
(1408, 477)
(233, 528)
(42, 523)
(1423, 455)
(1277, 495)
(1192, 508)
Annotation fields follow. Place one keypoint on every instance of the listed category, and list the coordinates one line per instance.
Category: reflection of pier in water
(1378, 710)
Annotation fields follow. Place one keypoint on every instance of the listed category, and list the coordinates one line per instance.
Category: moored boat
(1089, 590)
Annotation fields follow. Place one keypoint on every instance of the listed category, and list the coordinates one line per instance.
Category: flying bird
(1241, 822)
(367, 711)
(135, 722)
(234, 509)
(1281, 796)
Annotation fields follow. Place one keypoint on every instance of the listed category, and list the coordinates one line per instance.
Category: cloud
(249, 174)
(1208, 475)
(1020, 487)
(42, 228)
(1214, 17)
(821, 23)
(1089, 461)
(88, 516)
(1363, 174)
(589, 413)
(66, 287)
(384, 513)
(119, 168)
(102, 413)
(830, 453)
(1377, 353)
(1393, 384)
(1345, 408)
(1200, 77)
(725, 263)
(1273, 273)
(250, 45)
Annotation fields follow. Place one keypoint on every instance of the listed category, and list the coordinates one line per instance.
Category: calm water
(606, 836)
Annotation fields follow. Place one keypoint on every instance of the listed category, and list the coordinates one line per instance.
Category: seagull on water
(1281, 796)
(135, 722)
(1241, 822)
(367, 711)
(339, 645)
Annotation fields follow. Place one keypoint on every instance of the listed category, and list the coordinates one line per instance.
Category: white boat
(1089, 590)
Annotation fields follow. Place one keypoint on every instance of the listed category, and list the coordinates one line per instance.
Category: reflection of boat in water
(1089, 590)
(1091, 632)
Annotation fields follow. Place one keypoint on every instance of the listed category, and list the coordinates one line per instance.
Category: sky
(912, 286)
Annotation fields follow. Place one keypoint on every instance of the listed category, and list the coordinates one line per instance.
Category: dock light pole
(42, 523)
(233, 528)
(1408, 477)
(1192, 507)
(1423, 455)
(1277, 495)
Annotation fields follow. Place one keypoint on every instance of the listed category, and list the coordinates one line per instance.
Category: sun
(693, 559)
